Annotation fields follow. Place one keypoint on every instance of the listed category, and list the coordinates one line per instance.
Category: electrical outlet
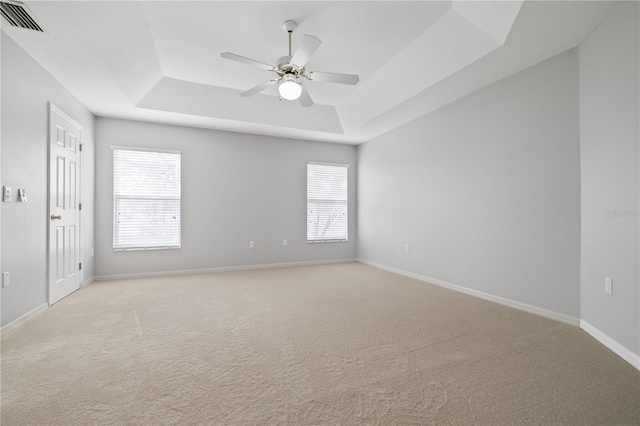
(251, 245)
(608, 285)
(6, 279)
(407, 248)
(6, 194)
(285, 242)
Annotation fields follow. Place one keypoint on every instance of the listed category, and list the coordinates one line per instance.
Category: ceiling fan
(290, 69)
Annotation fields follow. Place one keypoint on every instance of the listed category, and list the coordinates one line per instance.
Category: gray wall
(609, 125)
(485, 190)
(26, 90)
(235, 188)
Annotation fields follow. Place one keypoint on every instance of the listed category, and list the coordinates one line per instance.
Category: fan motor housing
(286, 67)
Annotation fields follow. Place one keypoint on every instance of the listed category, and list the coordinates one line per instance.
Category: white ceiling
(160, 61)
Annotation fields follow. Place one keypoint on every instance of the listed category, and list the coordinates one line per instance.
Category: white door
(64, 204)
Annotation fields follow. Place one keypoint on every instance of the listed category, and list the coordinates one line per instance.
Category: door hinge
(81, 146)
(79, 206)
(80, 266)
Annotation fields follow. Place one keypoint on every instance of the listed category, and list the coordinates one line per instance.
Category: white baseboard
(620, 350)
(221, 269)
(568, 319)
(87, 282)
(24, 318)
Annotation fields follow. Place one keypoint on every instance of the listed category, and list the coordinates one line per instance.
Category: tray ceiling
(160, 61)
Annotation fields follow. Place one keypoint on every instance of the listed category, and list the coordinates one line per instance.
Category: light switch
(22, 193)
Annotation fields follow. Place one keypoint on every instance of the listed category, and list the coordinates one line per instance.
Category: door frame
(53, 109)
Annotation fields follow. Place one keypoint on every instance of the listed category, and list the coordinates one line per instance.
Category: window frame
(346, 203)
(141, 247)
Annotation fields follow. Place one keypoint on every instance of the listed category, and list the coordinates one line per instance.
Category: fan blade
(332, 77)
(244, 60)
(259, 88)
(305, 99)
(306, 49)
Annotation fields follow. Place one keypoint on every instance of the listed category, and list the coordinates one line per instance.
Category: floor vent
(18, 15)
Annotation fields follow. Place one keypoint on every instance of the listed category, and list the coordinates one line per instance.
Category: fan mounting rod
(285, 66)
(289, 27)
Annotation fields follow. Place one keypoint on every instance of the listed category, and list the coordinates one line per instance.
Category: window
(327, 216)
(146, 199)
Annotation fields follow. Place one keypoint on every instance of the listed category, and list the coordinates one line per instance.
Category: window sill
(146, 248)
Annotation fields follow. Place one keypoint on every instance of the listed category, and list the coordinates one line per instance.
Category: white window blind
(327, 202)
(146, 199)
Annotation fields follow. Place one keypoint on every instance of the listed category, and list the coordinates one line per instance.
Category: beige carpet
(333, 345)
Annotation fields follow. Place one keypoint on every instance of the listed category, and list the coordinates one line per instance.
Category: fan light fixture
(289, 89)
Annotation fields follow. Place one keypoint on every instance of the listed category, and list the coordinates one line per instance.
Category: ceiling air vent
(19, 15)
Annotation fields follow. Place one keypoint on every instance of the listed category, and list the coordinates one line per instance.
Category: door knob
(56, 217)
